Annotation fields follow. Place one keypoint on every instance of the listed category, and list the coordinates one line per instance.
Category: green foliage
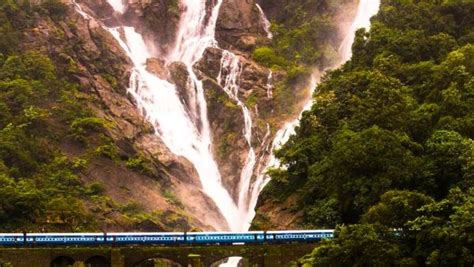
(305, 36)
(80, 128)
(394, 117)
(55, 8)
(396, 208)
(355, 245)
(268, 57)
(444, 230)
(427, 233)
(139, 163)
(108, 150)
(388, 144)
(40, 187)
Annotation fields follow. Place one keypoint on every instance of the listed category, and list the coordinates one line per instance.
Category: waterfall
(365, 10)
(117, 5)
(160, 103)
(265, 22)
(270, 85)
(186, 130)
(231, 70)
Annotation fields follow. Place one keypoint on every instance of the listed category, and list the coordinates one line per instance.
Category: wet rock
(101, 10)
(210, 63)
(239, 25)
(157, 67)
(179, 75)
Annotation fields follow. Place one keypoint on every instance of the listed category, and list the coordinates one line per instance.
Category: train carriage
(170, 238)
(68, 239)
(11, 239)
(225, 237)
(146, 238)
(299, 235)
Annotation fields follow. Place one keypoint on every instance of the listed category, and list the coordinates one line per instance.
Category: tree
(445, 230)
(396, 208)
(355, 245)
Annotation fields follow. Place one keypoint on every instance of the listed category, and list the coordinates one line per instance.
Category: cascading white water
(365, 10)
(194, 36)
(230, 64)
(117, 5)
(159, 101)
(265, 22)
(270, 85)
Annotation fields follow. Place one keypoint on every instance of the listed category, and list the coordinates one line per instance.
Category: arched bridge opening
(97, 261)
(62, 261)
(232, 261)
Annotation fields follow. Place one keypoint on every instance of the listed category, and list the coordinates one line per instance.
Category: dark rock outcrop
(226, 117)
(239, 25)
(103, 70)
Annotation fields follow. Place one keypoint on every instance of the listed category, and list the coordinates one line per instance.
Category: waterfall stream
(186, 130)
(230, 63)
(160, 103)
(265, 22)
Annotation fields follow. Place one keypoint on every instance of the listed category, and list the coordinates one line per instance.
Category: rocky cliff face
(170, 184)
(239, 29)
(103, 71)
(157, 19)
(239, 25)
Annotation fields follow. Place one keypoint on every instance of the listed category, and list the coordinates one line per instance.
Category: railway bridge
(150, 256)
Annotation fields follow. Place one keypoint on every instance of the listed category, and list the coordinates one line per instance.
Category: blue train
(178, 238)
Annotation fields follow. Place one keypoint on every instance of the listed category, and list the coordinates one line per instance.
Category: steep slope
(86, 131)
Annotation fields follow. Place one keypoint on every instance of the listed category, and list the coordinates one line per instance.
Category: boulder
(238, 25)
(157, 67)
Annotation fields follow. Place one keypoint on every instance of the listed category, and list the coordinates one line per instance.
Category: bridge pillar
(79, 264)
(194, 260)
(116, 258)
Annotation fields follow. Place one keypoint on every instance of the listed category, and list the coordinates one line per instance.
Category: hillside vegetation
(388, 144)
(51, 134)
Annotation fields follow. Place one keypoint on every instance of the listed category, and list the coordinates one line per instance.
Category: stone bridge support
(194, 256)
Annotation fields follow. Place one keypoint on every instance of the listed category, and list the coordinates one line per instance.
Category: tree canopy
(386, 150)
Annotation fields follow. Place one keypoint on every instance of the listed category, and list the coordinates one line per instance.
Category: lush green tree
(445, 230)
(396, 208)
(355, 245)
(388, 144)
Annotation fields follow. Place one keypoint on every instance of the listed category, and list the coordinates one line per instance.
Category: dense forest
(50, 136)
(386, 153)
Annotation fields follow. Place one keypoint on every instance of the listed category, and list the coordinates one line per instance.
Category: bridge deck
(256, 255)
